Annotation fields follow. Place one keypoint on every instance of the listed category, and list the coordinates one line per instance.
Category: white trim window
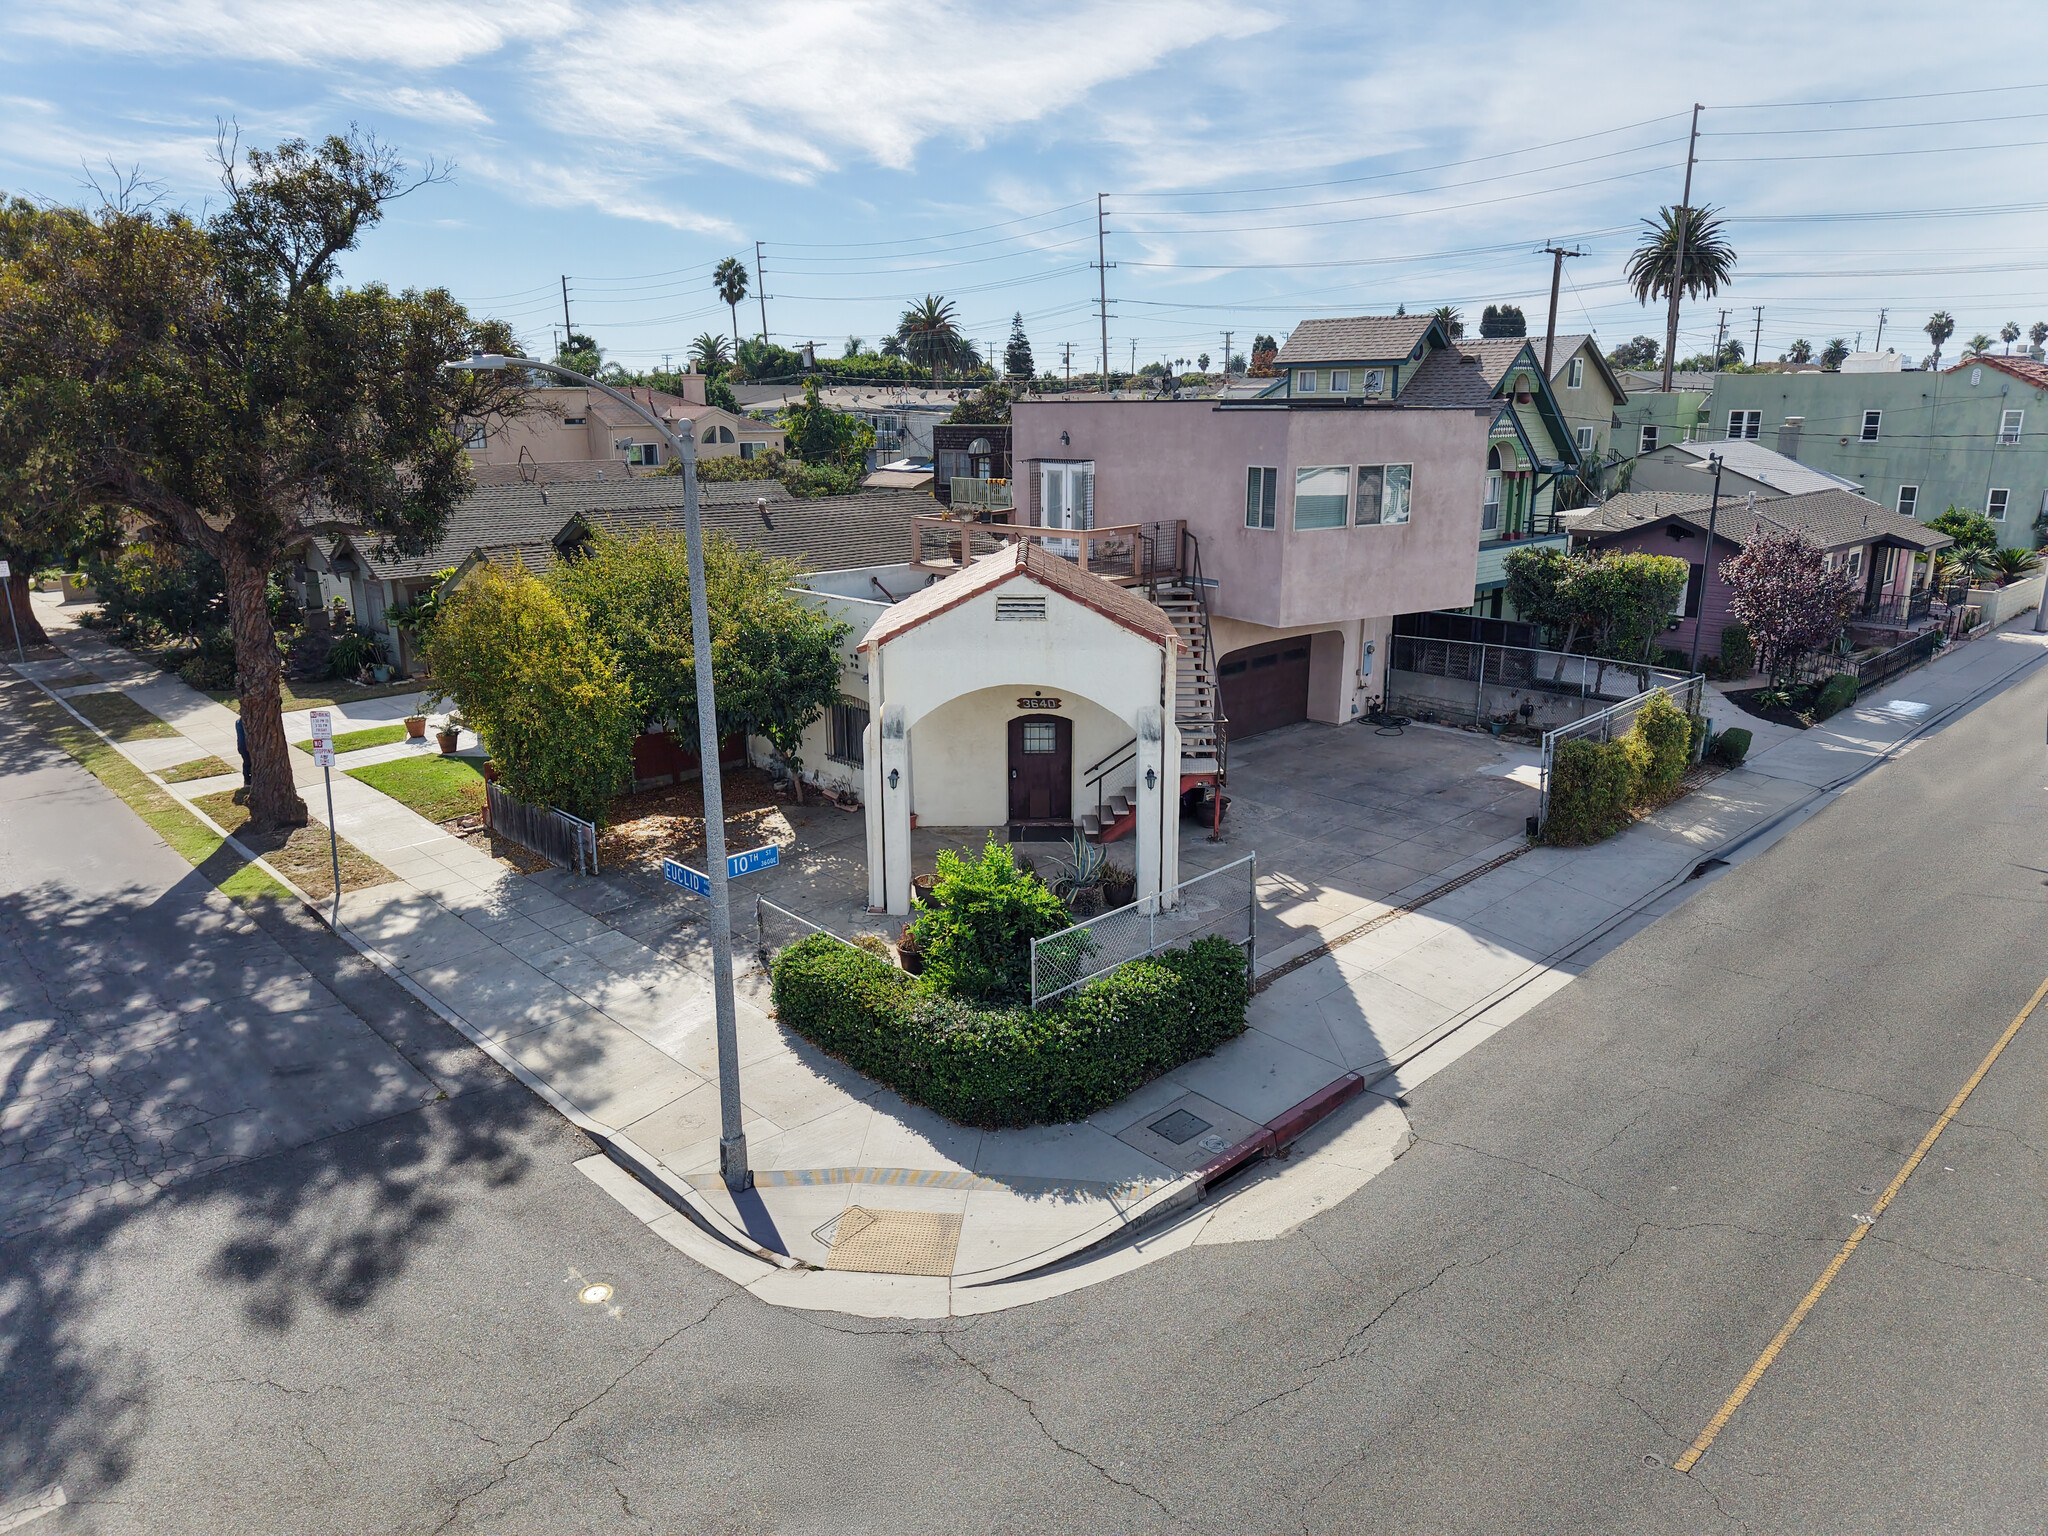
(1340, 381)
(1646, 440)
(1584, 438)
(1995, 501)
(1871, 422)
(1304, 381)
(1575, 373)
(1745, 424)
(847, 726)
(1489, 510)
(1855, 564)
(2009, 426)
(1383, 494)
(647, 455)
(1261, 490)
(1909, 500)
(1322, 496)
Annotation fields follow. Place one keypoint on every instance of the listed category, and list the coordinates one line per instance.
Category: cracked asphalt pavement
(1609, 1210)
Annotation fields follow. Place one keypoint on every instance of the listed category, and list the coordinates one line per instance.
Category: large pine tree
(1017, 355)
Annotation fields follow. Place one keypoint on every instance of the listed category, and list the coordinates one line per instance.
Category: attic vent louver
(1020, 608)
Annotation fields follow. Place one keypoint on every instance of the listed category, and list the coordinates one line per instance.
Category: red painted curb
(1284, 1127)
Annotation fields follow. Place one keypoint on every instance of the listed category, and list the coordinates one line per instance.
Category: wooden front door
(1041, 768)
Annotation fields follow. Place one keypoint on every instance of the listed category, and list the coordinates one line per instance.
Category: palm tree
(708, 354)
(930, 336)
(2009, 333)
(730, 279)
(1940, 326)
(1801, 353)
(1653, 270)
(1979, 345)
(1452, 322)
(2012, 564)
(854, 344)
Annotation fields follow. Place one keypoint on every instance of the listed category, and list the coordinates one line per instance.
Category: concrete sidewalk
(599, 1000)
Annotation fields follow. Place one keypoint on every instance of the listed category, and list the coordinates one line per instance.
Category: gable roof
(1025, 558)
(1361, 339)
(1764, 465)
(1565, 347)
(2024, 369)
(1830, 518)
(1447, 378)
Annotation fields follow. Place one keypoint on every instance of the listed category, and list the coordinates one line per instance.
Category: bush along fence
(1487, 684)
(568, 840)
(1600, 771)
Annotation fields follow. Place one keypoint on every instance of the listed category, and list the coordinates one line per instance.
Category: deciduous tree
(1781, 587)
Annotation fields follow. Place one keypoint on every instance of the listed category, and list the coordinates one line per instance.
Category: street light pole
(1699, 620)
(732, 1140)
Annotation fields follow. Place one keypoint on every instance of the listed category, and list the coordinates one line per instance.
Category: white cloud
(612, 188)
(412, 34)
(431, 105)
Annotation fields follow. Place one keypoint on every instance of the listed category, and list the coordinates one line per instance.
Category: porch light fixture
(1066, 441)
(1151, 779)
(732, 1141)
(894, 777)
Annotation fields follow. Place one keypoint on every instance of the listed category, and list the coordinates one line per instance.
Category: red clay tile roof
(2024, 369)
(1025, 558)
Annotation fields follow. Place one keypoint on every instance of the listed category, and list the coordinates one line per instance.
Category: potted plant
(921, 891)
(449, 734)
(1119, 886)
(415, 727)
(907, 953)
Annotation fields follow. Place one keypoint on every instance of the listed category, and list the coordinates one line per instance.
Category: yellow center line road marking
(1742, 1390)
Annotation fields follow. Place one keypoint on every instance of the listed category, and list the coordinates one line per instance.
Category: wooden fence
(567, 840)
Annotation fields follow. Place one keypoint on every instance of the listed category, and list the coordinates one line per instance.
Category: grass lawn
(369, 736)
(298, 853)
(439, 788)
(198, 843)
(324, 693)
(198, 768)
(120, 717)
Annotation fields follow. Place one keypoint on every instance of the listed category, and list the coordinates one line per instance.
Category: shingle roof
(1830, 518)
(1025, 558)
(1765, 465)
(1495, 354)
(1362, 339)
(1444, 379)
(821, 533)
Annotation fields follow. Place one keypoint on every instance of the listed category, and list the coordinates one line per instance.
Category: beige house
(1588, 393)
(580, 425)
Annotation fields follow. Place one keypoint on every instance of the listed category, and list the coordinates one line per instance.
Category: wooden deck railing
(1129, 553)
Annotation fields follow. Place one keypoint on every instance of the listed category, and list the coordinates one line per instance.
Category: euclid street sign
(737, 864)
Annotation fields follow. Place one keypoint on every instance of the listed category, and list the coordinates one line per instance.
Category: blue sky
(1263, 162)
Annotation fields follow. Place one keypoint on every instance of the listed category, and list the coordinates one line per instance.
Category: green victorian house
(1380, 360)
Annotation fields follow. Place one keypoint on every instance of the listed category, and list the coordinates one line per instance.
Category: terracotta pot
(416, 727)
(447, 739)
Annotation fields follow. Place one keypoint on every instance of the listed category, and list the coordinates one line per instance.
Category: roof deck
(1129, 554)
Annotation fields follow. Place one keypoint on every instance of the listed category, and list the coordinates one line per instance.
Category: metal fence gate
(1689, 695)
(1223, 901)
(568, 840)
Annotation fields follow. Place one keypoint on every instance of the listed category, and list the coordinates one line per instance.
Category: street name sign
(736, 864)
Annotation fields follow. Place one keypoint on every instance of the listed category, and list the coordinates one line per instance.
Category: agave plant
(1082, 870)
(2012, 564)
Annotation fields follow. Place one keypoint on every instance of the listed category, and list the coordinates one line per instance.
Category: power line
(1857, 101)
(1876, 154)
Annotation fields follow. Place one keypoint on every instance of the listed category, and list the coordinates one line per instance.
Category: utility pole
(1882, 316)
(1720, 335)
(1102, 287)
(1757, 340)
(1557, 254)
(1684, 227)
(1134, 354)
(1069, 346)
(760, 289)
(567, 329)
(1226, 357)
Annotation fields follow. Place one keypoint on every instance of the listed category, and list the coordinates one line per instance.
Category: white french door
(1066, 499)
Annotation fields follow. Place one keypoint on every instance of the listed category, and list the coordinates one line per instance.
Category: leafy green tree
(216, 381)
(1503, 320)
(854, 345)
(708, 354)
(990, 405)
(1639, 353)
(774, 664)
(1940, 326)
(1970, 530)
(1629, 600)
(581, 353)
(729, 279)
(1833, 353)
(820, 435)
(1652, 271)
(543, 692)
(1017, 355)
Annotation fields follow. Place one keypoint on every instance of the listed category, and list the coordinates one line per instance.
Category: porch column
(871, 813)
(895, 800)
(1152, 791)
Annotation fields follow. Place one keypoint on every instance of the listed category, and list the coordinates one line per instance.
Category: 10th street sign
(753, 860)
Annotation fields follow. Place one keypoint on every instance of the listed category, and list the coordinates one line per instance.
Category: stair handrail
(1221, 720)
(1102, 768)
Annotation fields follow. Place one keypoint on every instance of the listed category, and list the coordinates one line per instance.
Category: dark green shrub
(1836, 695)
(353, 652)
(1592, 786)
(1666, 732)
(213, 668)
(1732, 746)
(1008, 1066)
(977, 939)
(1738, 651)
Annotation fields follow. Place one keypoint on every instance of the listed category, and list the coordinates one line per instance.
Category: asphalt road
(1610, 1210)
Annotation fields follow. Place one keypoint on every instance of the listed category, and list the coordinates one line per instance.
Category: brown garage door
(1265, 686)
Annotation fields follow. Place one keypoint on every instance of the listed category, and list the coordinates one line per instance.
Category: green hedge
(1592, 786)
(995, 1067)
(1738, 651)
(1732, 745)
(1836, 695)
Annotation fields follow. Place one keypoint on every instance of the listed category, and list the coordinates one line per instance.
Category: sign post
(323, 754)
(6, 584)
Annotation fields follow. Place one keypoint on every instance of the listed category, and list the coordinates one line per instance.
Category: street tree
(1801, 352)
(1782, 588)
(1017, 361)
(213, 379)
(1642, 352)
(1652, 272)
(729, 279)
(1940, 326)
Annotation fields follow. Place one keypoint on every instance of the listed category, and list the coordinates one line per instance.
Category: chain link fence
(1223, 901)
(1689, 694)
(776, 928)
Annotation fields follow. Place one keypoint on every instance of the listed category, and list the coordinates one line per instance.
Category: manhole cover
(895, 1242)
(1180, 1127)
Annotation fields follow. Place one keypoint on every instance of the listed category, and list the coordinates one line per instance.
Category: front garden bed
(646, 826)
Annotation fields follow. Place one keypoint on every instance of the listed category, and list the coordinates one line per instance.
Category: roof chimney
(1788, 435)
